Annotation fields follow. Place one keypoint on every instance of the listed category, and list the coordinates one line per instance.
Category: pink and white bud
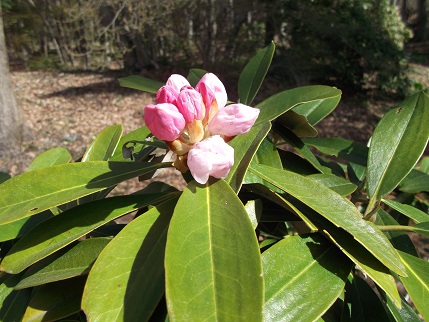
(210, 157)
(190, 104)
(233, 119)
(167, 94)
(213, 92)
(177, 81)
(164, 121)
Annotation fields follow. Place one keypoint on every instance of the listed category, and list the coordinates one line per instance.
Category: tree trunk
(421, 21)
(11, 119)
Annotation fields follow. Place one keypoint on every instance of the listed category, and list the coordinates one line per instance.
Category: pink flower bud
(190, 104)
(213, 93)
(177, 81)
(167, 94)
(233, 120)
(210, 157)
(164, 121)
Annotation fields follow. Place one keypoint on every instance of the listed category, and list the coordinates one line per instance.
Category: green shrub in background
(284, 237)
(353, 44)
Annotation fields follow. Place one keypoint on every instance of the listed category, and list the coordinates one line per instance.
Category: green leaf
(396, 145)
(102, 148)
(245, 147)
(74, 262)
(133, 288)
(35, 191)
(403, 314)
(317, 110)
(20, 227)
(195, 75)
(424, 165)
(12, 303)
(297, 123)
(415, 182)
(340, 185)
(279, 103)
(341, 148)
(54, 301)
(253, 74)
(136, 135)
(411, 212)
(49, 158)
(141, 83)
(212, 261)
(254, 210)
(338, 210)
(297, 270)
(4, 176)
(70, 225)
(422, 228)
(417, 282)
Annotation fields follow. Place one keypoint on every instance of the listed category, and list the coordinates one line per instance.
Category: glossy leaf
(74, 262)
(415, 182)
(338, 184)
(338, 210)
(403, 314)
(341, 148)
(137, 135)
(253, 74)
(33, 192)
(130, 271)
(12, 302)
(212, 261)
(102, 148)
(317, 110)
(411, 212)
(20, 227)
(297, 270)
(54, 301)
(279, 103)
(49, 158)
(396, 145)
(195, 75)
(417, 282)
(140, 83)
(69, 226)
(245, 147)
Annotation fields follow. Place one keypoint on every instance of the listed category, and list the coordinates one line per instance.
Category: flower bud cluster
(196, 123)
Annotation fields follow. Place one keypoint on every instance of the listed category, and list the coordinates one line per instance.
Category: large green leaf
(253, 74)
(35, 191)
(396, 145)
(49, 158)
(417, 282)
(338, 210)
(416, 181)
(129, 273)
(297, 270)
(54, 301)
(245, 147)
(137, 135)
(317, 110)
(20, 227)
(12, 302)
(102, 148)
(281, 102)
(411, 212)
(338, 184)
(141, 83)
(74, 262)
(69, 226)
(212, 261)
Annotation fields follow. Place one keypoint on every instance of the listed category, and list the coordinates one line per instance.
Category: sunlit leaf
(102, 148)
(297, 270)
(20, 227)
(12, 302)
(49, 158)
(253, 74)
(411, 212)
(337, 184)
(141, 83)
(132, 290)
(212, 261)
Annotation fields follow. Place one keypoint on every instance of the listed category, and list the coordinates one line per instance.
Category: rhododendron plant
(264, 229)
(197, 123)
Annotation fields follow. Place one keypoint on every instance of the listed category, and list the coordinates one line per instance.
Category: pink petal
(164, 121)
(212, 89)
(190, 104)
(233, 120)
(210, 157)
(167, 94)
(177, 81)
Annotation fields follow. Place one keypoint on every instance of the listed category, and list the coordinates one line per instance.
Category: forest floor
(68, 109)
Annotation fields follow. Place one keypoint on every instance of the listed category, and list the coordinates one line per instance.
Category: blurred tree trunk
(11, 119)
(421, 21)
